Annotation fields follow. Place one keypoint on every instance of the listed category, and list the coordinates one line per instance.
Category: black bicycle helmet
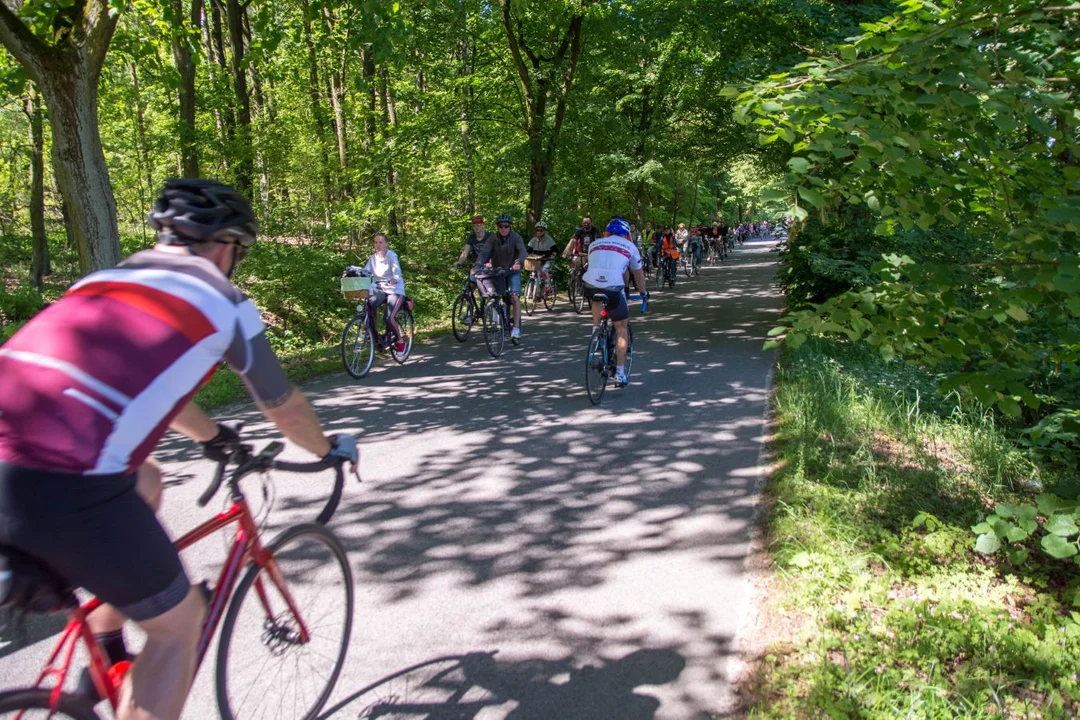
(504, 218)
(195, 211)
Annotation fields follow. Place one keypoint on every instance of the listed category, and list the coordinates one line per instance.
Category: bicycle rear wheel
(596, 366)
(274, 670)
(549, 295)
(629, 350)
(35, 704)
(357, 347)
(494, 335)
(528, 298)
(405, 322)
(462, 317)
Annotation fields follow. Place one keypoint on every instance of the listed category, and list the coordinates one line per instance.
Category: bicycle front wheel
(549, 294)
(36, 704)
(462, 317)
(272, 670)
(528, 298)
(357, 347)
(405, 322)
(629, 350)
(596, 366)
(579, 296)
(494, 335)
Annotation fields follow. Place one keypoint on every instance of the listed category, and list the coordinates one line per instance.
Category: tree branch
(515, 51)
(574, 36)
(528, 51)
(23, 45)
(100, 25)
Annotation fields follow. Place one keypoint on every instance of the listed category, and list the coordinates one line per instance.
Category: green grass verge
(880, 608)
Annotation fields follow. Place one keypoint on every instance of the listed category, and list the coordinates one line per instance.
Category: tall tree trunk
(389, 121)
(317, 110)
(693, 203)
(67, 76)
(39, 266)
(140, 143)
(537, 88)
(228, 118)
(367, 57)
(185, 66)
(466, 122)
(245, 163)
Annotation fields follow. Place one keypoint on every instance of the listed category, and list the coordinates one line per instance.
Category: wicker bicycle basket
(355, 288)
(532, 264)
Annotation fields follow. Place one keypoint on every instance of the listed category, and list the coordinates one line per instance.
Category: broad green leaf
(988, 543)
(1063, 525)
(799, 165)
(1058, 547)
(1017, 313)
(812, 196)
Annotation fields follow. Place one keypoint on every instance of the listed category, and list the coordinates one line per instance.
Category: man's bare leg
(159, 680)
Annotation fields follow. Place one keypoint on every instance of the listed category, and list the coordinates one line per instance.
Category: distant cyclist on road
(543, 246)
(384, 268)
(506, 251)
(474, 240)
(609, 258)
(87, 389)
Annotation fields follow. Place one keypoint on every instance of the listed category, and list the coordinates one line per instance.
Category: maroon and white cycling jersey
(609, 258)
(91, 384)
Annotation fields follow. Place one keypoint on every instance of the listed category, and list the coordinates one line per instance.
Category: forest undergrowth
(879, 606)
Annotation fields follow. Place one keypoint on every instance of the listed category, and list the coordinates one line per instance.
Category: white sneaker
(515, 334)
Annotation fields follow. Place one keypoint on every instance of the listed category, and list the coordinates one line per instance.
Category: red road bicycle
(281, 648)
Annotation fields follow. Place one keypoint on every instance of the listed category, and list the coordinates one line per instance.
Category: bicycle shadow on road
(460, 687)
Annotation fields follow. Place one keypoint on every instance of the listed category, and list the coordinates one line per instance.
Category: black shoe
(86, 687)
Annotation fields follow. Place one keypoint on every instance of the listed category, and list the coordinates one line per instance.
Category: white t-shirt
(386, 273)
(609, 258)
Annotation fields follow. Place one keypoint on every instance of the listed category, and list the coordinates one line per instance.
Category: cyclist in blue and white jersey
(609, 259)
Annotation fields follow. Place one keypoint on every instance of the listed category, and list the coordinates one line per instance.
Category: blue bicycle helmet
(618, 226)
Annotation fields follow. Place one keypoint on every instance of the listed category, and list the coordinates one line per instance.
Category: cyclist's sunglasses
(503, 225)
(240, 239)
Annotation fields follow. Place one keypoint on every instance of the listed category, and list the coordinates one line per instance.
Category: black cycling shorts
(616, 301)
(97, 533)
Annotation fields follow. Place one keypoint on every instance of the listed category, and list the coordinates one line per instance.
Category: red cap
(478, 219)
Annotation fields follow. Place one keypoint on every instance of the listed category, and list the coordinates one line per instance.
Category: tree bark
(228, 118)
(466, 123)
(39, 265)
(140, 140)
(245, 162)
(185, 66)
(67, 76)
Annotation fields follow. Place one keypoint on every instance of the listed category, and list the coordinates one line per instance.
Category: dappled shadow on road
(460, 687)
(590, 533)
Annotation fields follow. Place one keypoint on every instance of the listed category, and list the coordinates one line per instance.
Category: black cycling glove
(219, 447)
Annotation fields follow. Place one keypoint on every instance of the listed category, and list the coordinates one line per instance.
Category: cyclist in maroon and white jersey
(87, 389)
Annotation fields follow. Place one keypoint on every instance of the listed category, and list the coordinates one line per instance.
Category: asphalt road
(518, 553)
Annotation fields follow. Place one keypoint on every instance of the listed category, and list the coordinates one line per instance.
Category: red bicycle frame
(247, 547)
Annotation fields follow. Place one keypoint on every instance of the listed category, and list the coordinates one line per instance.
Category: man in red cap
(474, 240)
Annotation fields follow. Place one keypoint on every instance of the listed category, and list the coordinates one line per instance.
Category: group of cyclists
(91, 384)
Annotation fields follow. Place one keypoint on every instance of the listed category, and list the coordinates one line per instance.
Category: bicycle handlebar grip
(215, 485)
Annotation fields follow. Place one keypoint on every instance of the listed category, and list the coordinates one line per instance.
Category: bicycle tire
(462, 317)
(686, 266)
(596, 367)
(528, 298)
(659, 279)
(549, 295)
(250, 661)
(72, 706)
(629, 350)
(405, 322)
(357, 338)
(579, 296)
(494, 335)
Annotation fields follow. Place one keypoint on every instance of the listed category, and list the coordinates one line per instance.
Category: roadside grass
(879, 606)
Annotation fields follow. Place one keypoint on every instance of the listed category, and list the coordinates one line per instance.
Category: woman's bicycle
(495, 309)
(362, 336)
(666, 272)
(691, 266)
(282, 645)
(575, 287)
(538, 288)
(601, 357)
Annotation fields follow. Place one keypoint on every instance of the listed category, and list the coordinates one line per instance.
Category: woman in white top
(389, 285)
